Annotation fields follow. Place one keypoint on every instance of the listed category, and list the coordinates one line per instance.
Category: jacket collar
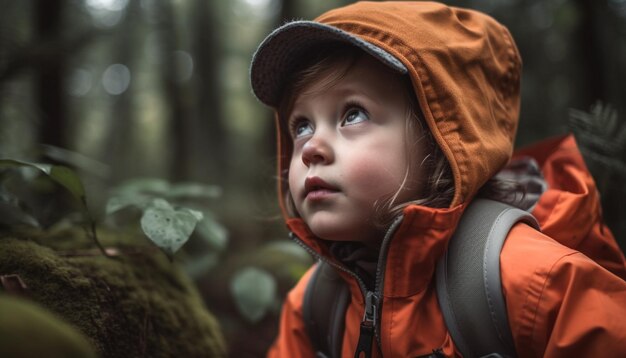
(412, 252)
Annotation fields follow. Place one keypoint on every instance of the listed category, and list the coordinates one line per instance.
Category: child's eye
(354, 116)
(301, 127)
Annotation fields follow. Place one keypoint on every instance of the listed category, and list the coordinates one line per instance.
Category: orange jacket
(560, 302)
(465, 71)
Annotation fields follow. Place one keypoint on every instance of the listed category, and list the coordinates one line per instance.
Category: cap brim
(281, 51)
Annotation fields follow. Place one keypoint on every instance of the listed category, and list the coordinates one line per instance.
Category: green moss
(135, 304)
(28, 330)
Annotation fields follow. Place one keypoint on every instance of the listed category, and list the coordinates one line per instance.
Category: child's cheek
(376, 176)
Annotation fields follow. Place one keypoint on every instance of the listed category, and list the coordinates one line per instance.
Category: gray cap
(282, 50)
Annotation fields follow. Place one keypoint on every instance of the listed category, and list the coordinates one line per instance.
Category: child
(404, 112)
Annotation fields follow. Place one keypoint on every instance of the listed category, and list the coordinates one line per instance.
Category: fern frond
(601, 137)
(599, 130)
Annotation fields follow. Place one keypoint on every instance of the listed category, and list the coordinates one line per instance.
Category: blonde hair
(331, 65)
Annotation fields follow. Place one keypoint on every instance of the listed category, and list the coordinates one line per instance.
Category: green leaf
(76, 160)
(62, 175)
(254, 291)
(167, 227)
(117, 203)
(198, 266)
(143, 185)
(11, 214)
(70, 181)
(194, 190)
(212, 232)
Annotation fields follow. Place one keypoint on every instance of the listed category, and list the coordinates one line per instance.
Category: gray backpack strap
(468, 279)
(324, 307)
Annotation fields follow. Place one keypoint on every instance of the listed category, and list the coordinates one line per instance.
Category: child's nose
(316, 151)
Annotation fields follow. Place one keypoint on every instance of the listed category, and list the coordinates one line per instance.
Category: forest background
(157, 92)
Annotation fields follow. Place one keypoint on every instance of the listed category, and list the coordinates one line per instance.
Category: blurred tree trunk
(209, 140)
(598, 51)
(288, 12)
(49, 89)
(590, 49)
(118, 152)
(179, 111)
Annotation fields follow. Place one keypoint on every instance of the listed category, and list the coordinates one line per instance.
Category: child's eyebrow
(376, 100)
(352, 91)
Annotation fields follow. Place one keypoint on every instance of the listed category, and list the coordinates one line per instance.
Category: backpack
(468, 287)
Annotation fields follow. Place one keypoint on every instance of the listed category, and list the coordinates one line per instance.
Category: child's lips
(315, 188)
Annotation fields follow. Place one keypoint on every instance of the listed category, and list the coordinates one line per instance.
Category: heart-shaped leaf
(254, 291)
(168, 227)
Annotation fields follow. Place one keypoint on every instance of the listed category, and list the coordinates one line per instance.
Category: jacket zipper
(368, 327)
(371, 317)
(380, 276)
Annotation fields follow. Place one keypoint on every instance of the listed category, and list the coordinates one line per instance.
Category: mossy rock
(29, 330)
(136, 304)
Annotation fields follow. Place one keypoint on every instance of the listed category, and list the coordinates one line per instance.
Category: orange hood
(464, 66)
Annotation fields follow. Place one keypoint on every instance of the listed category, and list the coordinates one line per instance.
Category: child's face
(350, 152)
